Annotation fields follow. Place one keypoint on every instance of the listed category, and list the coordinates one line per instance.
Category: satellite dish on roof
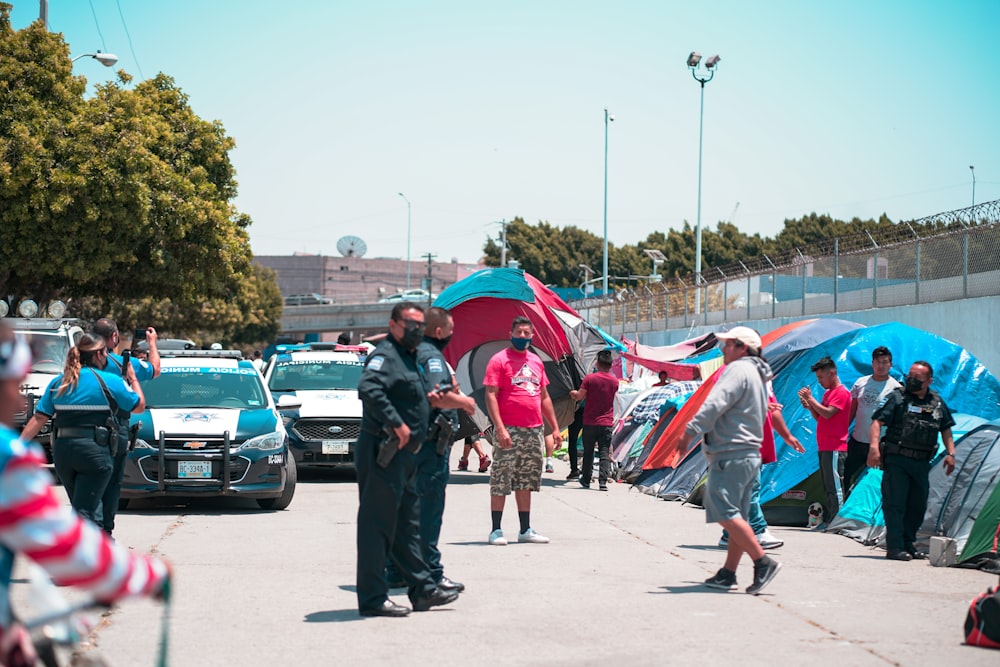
(351, 246)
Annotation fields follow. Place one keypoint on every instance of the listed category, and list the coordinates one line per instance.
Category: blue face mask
(520, 344)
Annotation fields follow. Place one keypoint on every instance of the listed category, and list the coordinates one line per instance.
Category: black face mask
(412, 335)
(913, 385)
(439, 343)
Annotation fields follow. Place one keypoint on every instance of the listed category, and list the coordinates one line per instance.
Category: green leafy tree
(121, 200)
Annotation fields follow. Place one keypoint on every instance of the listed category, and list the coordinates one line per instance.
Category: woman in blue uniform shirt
(80, 401)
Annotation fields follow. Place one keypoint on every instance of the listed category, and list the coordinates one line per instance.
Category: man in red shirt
(833, 419)
(599, 390)
(517, 401)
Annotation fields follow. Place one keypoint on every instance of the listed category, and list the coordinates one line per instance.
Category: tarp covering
(664, 451)
(794, 342)
(665, 358)
(965, 385)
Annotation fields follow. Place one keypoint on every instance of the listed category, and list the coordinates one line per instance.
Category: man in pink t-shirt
(833, 419)
(599, 390)
(517, 401)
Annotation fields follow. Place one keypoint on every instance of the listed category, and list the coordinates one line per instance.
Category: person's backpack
(982, 624)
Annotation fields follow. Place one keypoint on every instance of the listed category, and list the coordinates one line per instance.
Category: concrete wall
(971, 323)
(359, 280)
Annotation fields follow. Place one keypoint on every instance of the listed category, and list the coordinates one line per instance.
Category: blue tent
(965, 385)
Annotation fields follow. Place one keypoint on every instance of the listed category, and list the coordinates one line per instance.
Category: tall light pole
(407, 239)
(608, 118)
(972, 168)
(710, 68)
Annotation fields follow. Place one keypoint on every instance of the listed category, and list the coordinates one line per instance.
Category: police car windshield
(193, 387)
(48, 350)
(315, 374)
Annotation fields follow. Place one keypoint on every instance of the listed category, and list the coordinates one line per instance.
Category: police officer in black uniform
(913, 416)
(432, 461)
(394, 389)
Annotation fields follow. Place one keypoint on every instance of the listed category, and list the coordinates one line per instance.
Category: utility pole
(503, 243)
(43, 13)
(429, 280)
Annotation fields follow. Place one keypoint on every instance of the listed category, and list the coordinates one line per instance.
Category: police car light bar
(205, 354)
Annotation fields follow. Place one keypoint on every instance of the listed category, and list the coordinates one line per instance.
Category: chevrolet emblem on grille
(194, 445)
(335, 429)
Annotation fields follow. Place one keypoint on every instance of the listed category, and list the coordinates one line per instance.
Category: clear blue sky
(484, 111)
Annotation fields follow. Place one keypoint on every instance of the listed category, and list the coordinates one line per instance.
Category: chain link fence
(952, 255)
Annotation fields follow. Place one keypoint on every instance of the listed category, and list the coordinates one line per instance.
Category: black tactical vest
(920, 424)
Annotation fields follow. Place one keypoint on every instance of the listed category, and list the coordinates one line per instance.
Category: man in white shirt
(868, 393)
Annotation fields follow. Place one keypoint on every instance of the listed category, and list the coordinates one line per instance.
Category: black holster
(133, 434)
(387, 448)
(443, 434)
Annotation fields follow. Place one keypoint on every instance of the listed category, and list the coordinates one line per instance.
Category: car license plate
(336, 446)
(194, 469)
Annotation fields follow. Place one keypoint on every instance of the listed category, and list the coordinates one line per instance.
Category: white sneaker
(531, 536)
(769, 541)
(497, 538)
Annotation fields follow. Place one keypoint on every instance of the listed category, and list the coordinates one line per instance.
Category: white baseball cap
(745, 335)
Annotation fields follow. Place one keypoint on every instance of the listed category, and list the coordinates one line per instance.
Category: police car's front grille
(196, 443)
(327, 429)
(237, 469)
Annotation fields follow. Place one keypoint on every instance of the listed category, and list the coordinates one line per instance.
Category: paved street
(620, 581)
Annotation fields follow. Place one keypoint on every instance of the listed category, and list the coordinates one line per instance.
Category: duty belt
(918, 454)
(75, 432)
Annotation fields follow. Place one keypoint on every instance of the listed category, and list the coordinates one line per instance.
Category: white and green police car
(323, 377)
(210, 428)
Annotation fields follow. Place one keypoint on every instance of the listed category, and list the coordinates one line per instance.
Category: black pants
(600, 436)
(857, 460)
(574, 437)
(905, 487)
(388, 525)
(113, 491)
(431, 481)
(84, 468)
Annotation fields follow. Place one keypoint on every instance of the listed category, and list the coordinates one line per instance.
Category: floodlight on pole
(972, 168)
(407, 239)
(106, 59)
(711, 66)
(608, 118)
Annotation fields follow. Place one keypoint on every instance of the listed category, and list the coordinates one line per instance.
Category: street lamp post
(710, 67)
(407, 239)
(608, 118)
(106, 59)
(972, 168)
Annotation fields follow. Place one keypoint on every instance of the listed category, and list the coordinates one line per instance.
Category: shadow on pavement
(334, 616)
(689, 587)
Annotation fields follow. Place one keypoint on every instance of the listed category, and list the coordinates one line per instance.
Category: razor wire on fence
(947, 256)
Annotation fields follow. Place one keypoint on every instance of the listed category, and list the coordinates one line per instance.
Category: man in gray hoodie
(731, 425)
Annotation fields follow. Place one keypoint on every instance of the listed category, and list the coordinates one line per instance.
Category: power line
(129, 36)
(100, 34)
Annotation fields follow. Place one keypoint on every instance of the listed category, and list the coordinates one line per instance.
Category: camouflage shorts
(519, 467)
